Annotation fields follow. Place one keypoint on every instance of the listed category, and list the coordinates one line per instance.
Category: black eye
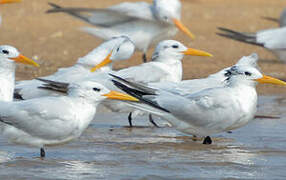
(96, 89)
(5, 52)
(175, 46)
(117, 49)
(247, 73)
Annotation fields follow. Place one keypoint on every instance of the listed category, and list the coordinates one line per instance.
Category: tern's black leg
(144, 57)
(207, 140)
(43, 153)
(130, 119)
(152, 121)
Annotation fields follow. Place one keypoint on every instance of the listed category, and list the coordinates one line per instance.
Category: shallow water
(108, 150)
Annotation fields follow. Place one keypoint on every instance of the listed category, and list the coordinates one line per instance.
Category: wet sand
(108, 150)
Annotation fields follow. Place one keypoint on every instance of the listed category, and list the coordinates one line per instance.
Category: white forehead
(168, 43)
(167, 4)
(10, 49)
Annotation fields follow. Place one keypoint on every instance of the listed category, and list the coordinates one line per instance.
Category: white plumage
(166, 65)
(54, 120)
(144, 23)
(206, 112)
(119, 48)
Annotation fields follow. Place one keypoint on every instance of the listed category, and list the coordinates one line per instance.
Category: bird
(8, 56)
(144, 23)
(165, 65)
(115, 49)
(207, 112)
(217, 79)
(44, 121)
(281, 20)
(270, 39)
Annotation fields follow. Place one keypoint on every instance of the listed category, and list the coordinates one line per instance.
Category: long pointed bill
(120, 96)
(270, 80)
(183, 28)
(195, 52)
(9, 1)
(103, 63)
(24, 60)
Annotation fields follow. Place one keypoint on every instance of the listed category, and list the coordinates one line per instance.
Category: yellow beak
(24, 60)
(120, 96)
(195, 52)
(103, 63)
(183, 28)
(9, 1)
(270, 80)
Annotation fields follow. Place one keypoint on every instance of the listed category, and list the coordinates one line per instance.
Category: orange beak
(9, 1)
(24, 60)
(195, 52)
(120, 96)
(106, 61)
(270, 80)
(183, 28)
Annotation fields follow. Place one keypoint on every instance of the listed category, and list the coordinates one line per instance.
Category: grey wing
(42, 117)
(145, 73)
(112, 16)
(272, 38)
(201, 109)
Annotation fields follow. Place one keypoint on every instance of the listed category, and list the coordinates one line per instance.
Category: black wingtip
(137, 94)
(117, 77)
(55, 8)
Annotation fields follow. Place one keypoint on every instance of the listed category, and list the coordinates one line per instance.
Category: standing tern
(214, 80)
(144, 23)
(166, 65)
(271, 39)
(115, 49)
(55, 120)
(206, 112)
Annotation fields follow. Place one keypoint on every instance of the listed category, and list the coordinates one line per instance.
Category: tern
(270, 39)
(47, 120)
(144, 23)
(207, 112)
(166, 65)
(115, 49)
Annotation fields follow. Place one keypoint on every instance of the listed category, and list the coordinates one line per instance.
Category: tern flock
(56, 109)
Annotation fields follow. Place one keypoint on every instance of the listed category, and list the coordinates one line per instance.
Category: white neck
(7, 81)
(172, 67)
